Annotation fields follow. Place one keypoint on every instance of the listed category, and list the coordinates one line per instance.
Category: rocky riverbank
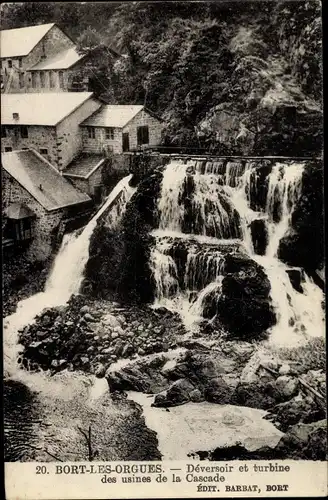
(148, 350)
(21, 279)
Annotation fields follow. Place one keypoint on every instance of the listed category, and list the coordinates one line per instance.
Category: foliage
(238, 77)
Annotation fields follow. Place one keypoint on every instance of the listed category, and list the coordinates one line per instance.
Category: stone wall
(100, 143)
(143, 118)
(39, 137)
(69, 137)
(45, 223)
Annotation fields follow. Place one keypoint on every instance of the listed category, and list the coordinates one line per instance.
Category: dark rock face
(304, 246)
(243, 306)
(258, 189)
(259, 234)
(296, 277)
(118, 261)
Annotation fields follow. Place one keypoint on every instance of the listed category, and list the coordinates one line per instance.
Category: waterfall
(207, 204)
(64, 280)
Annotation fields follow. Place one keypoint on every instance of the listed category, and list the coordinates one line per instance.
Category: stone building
(43, 59)
(48, 123)
(36, 201)
(121, 128)
(23, 48)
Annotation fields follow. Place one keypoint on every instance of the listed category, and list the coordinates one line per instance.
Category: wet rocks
(259, 234)
(178, 393)
(287, 386)
(242, 306)
(296, 278)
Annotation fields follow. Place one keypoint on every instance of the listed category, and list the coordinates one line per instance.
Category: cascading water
(39, 396)
(220, 203)
(64, 279)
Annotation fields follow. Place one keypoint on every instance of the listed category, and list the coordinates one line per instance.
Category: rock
(305, 441)
(110, 320)
(84, 361)
(114, 335)
(127, 350)
(119, 331)
(196, 396)
(35, 345)
(41, 334)
(141, 352)
(88, 317)
(242, 305)
(296, 278)
(256, 395)
(140, 328)
(85, 309)
(100, 371)
(259, 234)
(96, 338)
(177, 394)
(54, 363)
(287, 386)
(284, 369)
(218, 391)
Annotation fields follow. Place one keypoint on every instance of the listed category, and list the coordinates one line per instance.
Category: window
(142, 135)
(8, 149)
(21, 80)
(20, 62)
(61, 79)
(24, 132)
(52, 79)
(110, 133)
(42, 79)
(10, 63)
(3, 131)
(91, 133)
(43, 151)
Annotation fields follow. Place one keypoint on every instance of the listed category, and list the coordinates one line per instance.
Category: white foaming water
(64, 280)
(299, 315)
(285, 185)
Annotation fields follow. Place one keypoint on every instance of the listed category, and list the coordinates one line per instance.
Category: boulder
(296, 278)
(85, 309)
(100, 371)
(259, 234)
(305, 441)
(218, 391)
(88, 317)
(287, 386)
(177, 394)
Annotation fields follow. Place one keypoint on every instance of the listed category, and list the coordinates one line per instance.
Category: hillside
(239, 77)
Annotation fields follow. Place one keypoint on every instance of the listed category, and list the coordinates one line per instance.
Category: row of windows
(142, 134)
(22, 130)
(10, 63)
(43, 151)
(109, 133)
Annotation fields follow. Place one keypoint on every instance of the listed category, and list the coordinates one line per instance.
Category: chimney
(16, 116)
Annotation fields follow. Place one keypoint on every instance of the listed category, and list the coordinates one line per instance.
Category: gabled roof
(35, 174)
(84, 165)
(20, 41)
(47, 108)
(112, 115)
(63, 60)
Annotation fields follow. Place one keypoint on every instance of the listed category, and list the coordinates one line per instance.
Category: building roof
(47, 108)
(18, 211)
(35, 174)
(20, 41)
(112, 115)
(63, 60)
(84, 165)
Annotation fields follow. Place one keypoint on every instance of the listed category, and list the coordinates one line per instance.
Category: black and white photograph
(163, 239)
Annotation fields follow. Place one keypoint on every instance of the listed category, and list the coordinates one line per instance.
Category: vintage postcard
(163, 250)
